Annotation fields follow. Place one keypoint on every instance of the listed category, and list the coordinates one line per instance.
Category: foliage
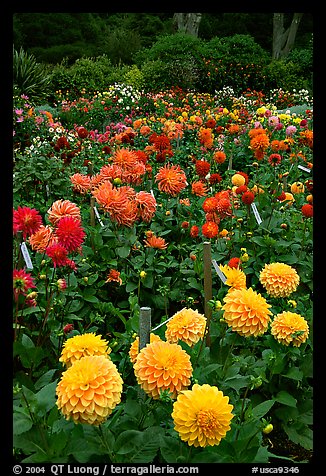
(266, 381)
(29, 77)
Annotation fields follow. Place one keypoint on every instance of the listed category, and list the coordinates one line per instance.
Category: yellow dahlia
(235, 277)
(89, 390)
(202, 415)
(134, 348)
(82, 345)
(187, 325)
(289, 327)
(279, 279)
(163, 366)
(246, 311)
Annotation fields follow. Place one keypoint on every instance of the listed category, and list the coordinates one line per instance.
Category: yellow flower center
(206, 419)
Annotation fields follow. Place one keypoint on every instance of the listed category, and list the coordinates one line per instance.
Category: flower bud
(268, 429)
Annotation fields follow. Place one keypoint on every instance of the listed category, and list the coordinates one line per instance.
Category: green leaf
(286, 399)
(21, 421)
(46, 398)
(127, 441)
(294, 373)
(44, 379)
(301, 436)
(237, 382)
(260, 410)
(123, 251)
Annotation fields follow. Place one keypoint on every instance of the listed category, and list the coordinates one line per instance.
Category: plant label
(98, 216)
(256, 213)
(304, 168)
(219, 272)
(26, 256)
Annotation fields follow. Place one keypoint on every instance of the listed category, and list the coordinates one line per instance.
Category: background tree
(284, 38)
(187, 22)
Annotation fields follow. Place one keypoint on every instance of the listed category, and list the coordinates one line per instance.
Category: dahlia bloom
(171, 179)
(219, 157)
(163, 366)
(22, 282)
(248, 197)
(209, 229)
(210, 204)
(134, 348)
(70, 233)
(235, 277)
(114, 276)
(194, 231)
(89, 390)
(246, 311)
(289, 327)
(118, 202)
(58, 253)
(279, 279)
(83, 345)
(61, 208)
(202, 415)
(42, 238)
(27, 220)
(199, 188)
(206, 137)
(187, 325)
(146, 204)
(155, 242)
(80, 183)
(238, 180)
(307, 210)
(202, 167)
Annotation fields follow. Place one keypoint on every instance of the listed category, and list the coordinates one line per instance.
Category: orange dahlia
(82, 345)
(80, 183)
(279, 279)
(163, 366)
(146, 205)
(289, 327)
(235, 277)
(134, 348)
(89, 390)
(210, 229)
(43, 238)
(202, 415)
(199, 188)
(155, 242)
(246, 311)
(171, 179)
(187, 325)
(61, 208)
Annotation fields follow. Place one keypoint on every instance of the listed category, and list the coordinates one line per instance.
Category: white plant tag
(26, 256)
(304, 168)
(219, 272)
(98, 216)
(256, 213)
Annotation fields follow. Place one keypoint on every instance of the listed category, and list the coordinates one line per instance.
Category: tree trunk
(283, 40)
(187, 22)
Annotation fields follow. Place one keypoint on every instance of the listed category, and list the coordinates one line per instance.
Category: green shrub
(284, 74)
(29, 77)
(236, 61)
(134, 77)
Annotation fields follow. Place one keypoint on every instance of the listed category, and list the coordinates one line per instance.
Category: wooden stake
(208, 294)
(92, 213)
(144, 326)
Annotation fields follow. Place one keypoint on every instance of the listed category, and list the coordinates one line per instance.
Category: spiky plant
(29, 77)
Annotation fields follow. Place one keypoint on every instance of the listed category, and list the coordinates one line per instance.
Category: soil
(279, 444)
